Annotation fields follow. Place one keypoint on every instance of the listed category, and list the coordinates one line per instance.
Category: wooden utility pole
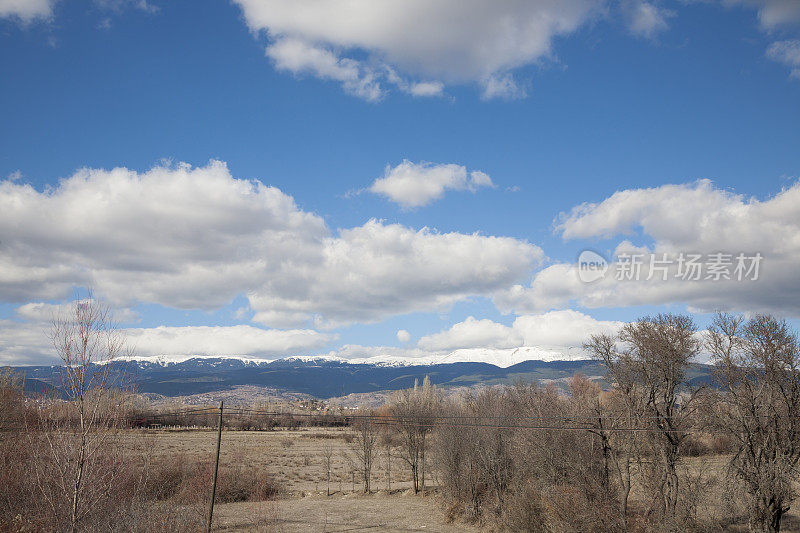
(388, 466)
(216, 470)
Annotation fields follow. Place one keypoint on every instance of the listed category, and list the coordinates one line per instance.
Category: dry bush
(187, 483)
(492, 472)
(239, 483)
(118, 488)
(527, 510)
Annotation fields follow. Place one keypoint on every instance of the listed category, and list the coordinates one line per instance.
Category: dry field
(296, 459)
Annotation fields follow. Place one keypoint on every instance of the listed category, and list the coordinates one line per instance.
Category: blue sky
(623, 96)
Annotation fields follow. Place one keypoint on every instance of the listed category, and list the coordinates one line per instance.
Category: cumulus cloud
(418, 184)
(373, 271)
(693, 218)
(555, 329)
(452, 41)
(565, 328)
(179, 236)
(472, 333)
(26, 10)
(193, 238)
(403, 336)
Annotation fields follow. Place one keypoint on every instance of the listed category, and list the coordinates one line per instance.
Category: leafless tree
(365, 447)
(413, 414)
(648, 361)
(327, 454)
(73, 435)
(388, 441)
(456, 460)
(12, 406)
(758, 369)
(624, 408)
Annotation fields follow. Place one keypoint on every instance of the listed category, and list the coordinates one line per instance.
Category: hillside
(326, 378)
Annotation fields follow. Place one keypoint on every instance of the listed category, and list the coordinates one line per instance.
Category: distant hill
(326, 378)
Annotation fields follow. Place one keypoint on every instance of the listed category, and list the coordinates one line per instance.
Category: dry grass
(355, 512)
(292, 457)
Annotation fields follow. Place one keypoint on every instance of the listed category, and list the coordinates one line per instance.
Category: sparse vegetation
(651, 453)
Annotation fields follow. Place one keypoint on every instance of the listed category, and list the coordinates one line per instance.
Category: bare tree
(650, 373)
(625, 407)
(413, 413)
(327, 454)
(388, 442)
(74, 433)
(455, 455)
(758, 369)
(365, 446)
(12, 406)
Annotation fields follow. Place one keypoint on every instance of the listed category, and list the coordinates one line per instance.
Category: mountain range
(326, 378)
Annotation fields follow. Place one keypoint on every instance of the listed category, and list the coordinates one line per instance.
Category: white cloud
(23, 343)
(26, 10)
(46, 312)
(300, 57)
(224, 341)
(772, 13)
(502, 86)
(556, 329)
(403, 336)
(775, 16)
(426, 88)
(192, 238)
(372, 271)
(120, 5)
(556, 335)
(646, 19)
(565, 328)
(178, 236)
(472, 333)
(418, 184)
(674, 219)
(788, 53)
(450, 41)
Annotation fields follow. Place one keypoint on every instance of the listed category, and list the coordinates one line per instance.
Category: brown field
(295, 458)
